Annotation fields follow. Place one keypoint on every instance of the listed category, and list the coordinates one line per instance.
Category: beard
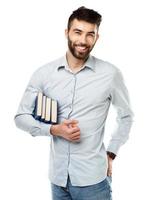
(81, 55)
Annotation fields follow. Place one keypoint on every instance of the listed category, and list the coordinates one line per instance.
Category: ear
(97, 37)
(66, 33)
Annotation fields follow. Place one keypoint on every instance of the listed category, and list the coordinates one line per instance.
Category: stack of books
(45, 109)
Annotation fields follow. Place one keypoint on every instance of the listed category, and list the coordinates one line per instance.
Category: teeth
(81, 48)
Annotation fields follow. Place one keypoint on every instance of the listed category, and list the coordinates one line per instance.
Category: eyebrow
(90, 32)
(76, 29)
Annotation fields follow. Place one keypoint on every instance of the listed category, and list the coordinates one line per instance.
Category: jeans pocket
(109, 180)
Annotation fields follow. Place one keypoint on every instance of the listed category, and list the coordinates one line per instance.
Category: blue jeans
(99, 191)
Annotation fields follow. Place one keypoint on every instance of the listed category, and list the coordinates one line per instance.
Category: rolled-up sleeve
(120, 100)
(24, 117)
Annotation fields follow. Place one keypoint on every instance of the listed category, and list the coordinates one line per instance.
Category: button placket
(71, 95)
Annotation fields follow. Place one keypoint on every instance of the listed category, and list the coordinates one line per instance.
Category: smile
(81, 48)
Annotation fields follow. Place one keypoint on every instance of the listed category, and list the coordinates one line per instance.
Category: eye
(91, 35)
(78, 32)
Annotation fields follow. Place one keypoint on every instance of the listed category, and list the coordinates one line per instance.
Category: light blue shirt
(85, 96)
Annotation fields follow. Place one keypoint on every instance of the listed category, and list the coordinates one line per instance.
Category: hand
(109, 170)
(68, 129)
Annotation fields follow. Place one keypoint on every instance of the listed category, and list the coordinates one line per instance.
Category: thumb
(70, 121)
(109, 172)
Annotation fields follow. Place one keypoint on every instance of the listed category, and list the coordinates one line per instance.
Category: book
(46, 109)
(38, 106)
(54, 108)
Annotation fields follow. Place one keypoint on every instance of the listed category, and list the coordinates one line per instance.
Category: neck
(74, 63)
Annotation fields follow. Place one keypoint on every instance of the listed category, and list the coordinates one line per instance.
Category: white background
(32, 34)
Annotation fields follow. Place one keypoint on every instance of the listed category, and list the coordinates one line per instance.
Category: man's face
(82, 37)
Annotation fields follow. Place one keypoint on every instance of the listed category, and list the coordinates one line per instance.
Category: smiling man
(82, 37)
(84, 86)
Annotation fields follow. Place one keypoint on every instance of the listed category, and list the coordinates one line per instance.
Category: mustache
(81, 45)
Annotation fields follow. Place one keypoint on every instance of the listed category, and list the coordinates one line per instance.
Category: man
(84, 86)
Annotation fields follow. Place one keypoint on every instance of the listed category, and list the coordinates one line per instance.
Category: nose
(83, 39)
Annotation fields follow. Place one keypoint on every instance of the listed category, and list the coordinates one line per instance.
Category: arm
(120, 100)
(24, 119)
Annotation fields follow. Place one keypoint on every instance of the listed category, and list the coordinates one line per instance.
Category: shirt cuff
(114, 146)
(45, 129)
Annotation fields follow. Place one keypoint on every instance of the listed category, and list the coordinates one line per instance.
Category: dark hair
(85, 14)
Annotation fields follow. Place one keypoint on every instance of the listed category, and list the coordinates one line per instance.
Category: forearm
(27, 123)
(120, 135)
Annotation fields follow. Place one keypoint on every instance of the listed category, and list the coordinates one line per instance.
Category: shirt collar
(90, 63)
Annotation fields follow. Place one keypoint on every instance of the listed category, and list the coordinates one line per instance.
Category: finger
(70, 121)
(73, 125)
(109, 172)
(76, 134)
(76, 138)
(75, 129)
